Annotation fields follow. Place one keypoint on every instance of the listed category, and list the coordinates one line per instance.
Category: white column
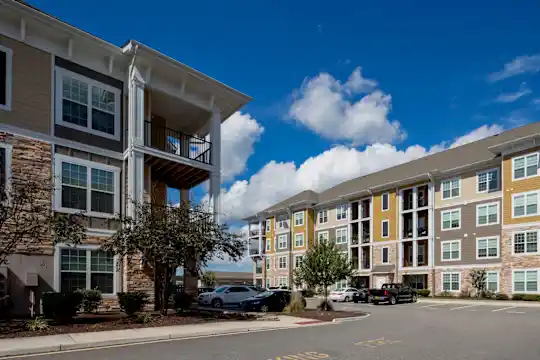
(215, 175)
(135, 108)
(415, 214)
(415, 253)
(260, 236)
(135, 191)
(431, 225)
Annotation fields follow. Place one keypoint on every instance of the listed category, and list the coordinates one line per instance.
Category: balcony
(422, 223)
(366, 208)
(177, 143)
(254, 232)
(422, 196)
(355, 257)
(408, 203)
(354, 210)
(258, 269)
(407, 226)
(253, 245)
(354, 233)
(366, 257)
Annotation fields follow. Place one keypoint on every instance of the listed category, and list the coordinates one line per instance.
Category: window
(451, 219)
(86, 186)
(282, 281)
(282, 262)
(526, 242)
(487, 247)
(268, 282)
(385, 201)
(421, 256)
(323, 236)
(487, 214)
(323, 216)
(281, 223)
(341, 236)
(341, 284)
(87, 105)
(525, 166)
(525, 204)
(298, 260)
(267, 264)
(282, 241)
(385, 225)
(299, 240)
(525, 281)
(341, 212)
(487, 181)
(5, 169)
(451, 250)
(299, 218)
(451, 281)
(268, 245)
(492, 281)
(85, 268)
(384, 255)
(451, 188)
(6, 58)
(268, 225)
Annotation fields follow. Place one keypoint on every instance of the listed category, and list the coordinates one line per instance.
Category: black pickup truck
(393, 293)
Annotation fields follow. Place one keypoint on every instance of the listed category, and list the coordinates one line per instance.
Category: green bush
(132, 302)
(518, 296)
(61, 306)
(501, 296)
(530, 297)
(446, 294)
(423, 293)
(37, 324)
(182, 301)
(92, 300)
(144, 318)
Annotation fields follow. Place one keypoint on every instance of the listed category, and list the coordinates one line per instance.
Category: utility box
(32, 279)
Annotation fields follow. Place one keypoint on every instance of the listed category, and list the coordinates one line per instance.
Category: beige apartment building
(430, 221)
(109, 124)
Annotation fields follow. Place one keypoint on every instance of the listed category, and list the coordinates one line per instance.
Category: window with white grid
(451, 281)
(492, 281)
(299, 240)
(451, 188)
(323, 217)
(487, 214)
(487, 247)
(525, 166)
(525, 204)
(341, 236)
(451, 219)
(282, 262)
(282, 242)
(526, 242)
(341, 212)
(299, 218)
(323, 236)
(525, 281)
(451, 250)
(488, 181)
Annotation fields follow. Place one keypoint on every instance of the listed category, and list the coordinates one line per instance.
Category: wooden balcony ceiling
(176, 175)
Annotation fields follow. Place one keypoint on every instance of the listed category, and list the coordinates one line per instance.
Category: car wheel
(264, 308)
(393, 300)
(414, 298)
(355, 301)
(346, 299)
(217, 303)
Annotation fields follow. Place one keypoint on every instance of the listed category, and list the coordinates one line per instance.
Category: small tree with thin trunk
(479, 281)
(322, 266)
(169, 237)
(208, 278)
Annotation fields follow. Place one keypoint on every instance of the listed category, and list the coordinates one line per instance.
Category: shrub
(61, 306)
(132, 302)
(530, 297)
(423, 293)
(518, 296)
(446, 294)
(500, 296)
(37, 324)
(91, 300)
(144, 318)
(182, 301)
(325, 305)
(296, 304)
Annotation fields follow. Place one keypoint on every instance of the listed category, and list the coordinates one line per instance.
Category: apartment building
(429, 222)
(110, 124)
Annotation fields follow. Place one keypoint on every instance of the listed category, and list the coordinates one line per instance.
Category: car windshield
(265, 294)
(339, 290)
(221, 289)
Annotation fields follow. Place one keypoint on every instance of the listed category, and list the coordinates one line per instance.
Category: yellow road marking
(377, 342)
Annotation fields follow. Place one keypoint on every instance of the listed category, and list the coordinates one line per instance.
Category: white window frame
(524, 194)
(88, 248)
(268, 282)
(268, 225)
(8, 148)
(281, 222)
(525, 271)
(450, 211)
(496, 170)
(59, 159)
(299, 218)
(326, 236)
(268, 244)
(388, 228)
(341, 212)
(280, 237)
(525, 253)
(59, 74)
(450, 181)
(498, 280)
(451, 273)
(487, 205)
(296, 240)
(387, 248)
(537, 154)
(341, 236)
(268, 263)
(282, 283)
(450, 242)
(387, 195)
(9, 77)
(296, 257)
(487, 238)
(324, 214)
(279, 262)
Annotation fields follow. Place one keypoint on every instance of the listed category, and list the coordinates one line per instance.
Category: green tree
(169, 237)
(208, 278)
(322, 266)
(479, 281)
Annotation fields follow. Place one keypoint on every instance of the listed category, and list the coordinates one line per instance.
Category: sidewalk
(52, 343)
(480, 302)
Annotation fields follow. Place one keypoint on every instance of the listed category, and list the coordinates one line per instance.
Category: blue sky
(338, 91)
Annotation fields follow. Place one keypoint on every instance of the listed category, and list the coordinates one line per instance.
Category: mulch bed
(116, 321)
(327, 315)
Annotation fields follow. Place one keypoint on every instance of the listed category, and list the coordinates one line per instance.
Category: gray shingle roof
(305, 196)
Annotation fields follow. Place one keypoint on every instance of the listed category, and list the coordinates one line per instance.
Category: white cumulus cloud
(333, 110)
(520, 65)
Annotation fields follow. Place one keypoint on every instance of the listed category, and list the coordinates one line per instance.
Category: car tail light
(385, 292)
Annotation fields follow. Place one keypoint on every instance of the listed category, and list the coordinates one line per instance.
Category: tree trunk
(164, 291)
(157, 302)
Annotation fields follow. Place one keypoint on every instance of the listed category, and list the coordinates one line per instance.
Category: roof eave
(516, 144)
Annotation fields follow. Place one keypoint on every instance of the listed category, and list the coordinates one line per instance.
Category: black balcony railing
(177, 143)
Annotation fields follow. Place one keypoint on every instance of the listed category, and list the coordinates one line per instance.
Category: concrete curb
(352, 318)
(503, 303)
